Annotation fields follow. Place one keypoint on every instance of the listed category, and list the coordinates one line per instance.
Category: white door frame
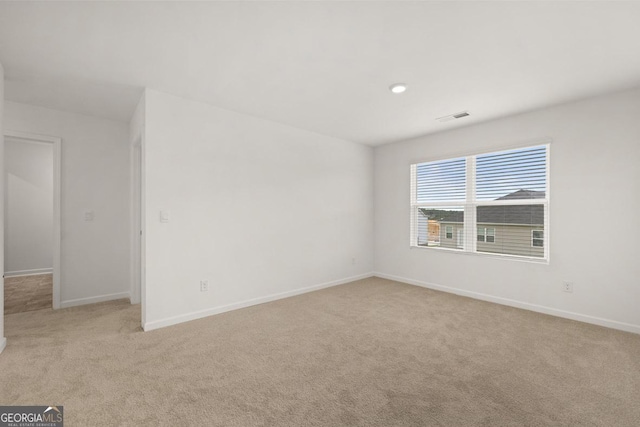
(57, 161)
(138, 242)
(136, 222)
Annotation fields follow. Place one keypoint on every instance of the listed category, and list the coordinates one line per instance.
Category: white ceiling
(322, 66)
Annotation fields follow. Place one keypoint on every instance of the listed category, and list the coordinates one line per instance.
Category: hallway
(28, 293)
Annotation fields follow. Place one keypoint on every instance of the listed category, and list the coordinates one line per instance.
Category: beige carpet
(28, 293)
(369, 353)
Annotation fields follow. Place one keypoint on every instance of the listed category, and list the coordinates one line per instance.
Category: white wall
(595, 197)
(259, 209)
(28, 209)
(95, 177)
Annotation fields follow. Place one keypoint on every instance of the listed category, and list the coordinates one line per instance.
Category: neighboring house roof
(523, 194)
(517, 214)
(442, 215)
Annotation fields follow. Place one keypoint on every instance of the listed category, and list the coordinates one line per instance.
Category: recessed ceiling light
(398, 87)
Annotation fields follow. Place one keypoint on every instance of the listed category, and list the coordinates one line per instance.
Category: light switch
(164, 216)
(89, 215)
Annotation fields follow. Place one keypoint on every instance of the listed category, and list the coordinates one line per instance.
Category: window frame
(485, 235)
(470, 204)
(446, 231)
(537, 238)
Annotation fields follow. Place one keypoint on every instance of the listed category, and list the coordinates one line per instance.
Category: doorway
(31, 222)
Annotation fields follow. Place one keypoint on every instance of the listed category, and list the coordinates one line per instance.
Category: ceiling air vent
(453, 116)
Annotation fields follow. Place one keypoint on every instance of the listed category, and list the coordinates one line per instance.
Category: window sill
(519, 258)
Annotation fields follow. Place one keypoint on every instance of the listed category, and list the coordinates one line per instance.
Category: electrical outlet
(567, 287)
(204, 286)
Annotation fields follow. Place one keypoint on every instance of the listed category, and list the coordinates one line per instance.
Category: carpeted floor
(369, 353)
(28, 293)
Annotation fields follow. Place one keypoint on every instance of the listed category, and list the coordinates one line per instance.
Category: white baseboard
(32, 272)
(156, 324)
(93, 300)
(614, 324)
(3, 344)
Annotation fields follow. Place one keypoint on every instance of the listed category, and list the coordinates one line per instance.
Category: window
(487, 235)
(503, 196)
(449, 232)
(537, 238)
(438, 196)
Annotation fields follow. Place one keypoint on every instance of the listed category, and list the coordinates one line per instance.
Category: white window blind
(516, 174)
(438, 200)
(441, 181)
(493, 203)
